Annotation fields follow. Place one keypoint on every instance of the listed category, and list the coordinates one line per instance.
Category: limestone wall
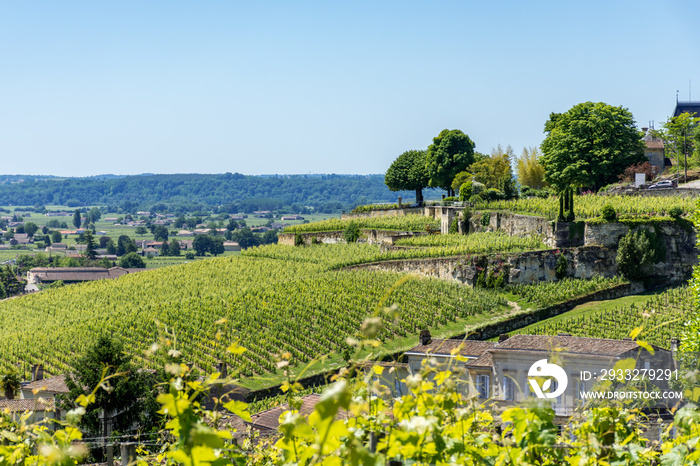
(583, 262)
(527, 267)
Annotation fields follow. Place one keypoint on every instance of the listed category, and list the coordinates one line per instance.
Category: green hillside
(270, 305)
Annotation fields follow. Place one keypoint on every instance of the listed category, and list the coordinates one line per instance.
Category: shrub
(454, 226)
(675, 212)
(10, 382)
(608, 213)
(465, 191)
(476, 199)
(635, 253)
(485, 219)
(647, 168)
(478, 188)
(299, 240)
(560, 270)
(132, 261)
(493, 194)
(351, 233)
(189, 256)
(449, 200)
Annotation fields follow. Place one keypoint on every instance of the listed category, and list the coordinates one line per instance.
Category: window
(482, 385)
(508, 388)
(580, 387)
(397, 386)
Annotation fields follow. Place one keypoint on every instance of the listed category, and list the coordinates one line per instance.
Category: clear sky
(258, 87)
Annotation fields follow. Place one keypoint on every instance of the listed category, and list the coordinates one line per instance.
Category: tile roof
(76, 273)
(269, 419)
(36, 404)
(482, 351)
(568, 344)
(469, 348)
(654, 144)
(55, 384)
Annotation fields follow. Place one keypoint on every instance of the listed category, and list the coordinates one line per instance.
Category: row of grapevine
(270, 305)
(412, 222)
(548, 293)
(663, 317)
(588, 206)
(342, 255)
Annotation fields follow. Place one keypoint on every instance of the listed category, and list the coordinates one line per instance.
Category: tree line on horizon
(227, 193)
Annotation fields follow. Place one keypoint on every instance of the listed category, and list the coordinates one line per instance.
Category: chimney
(222, 369)
(674, 345)
(503, 337)
(37, 372)
(425, 337)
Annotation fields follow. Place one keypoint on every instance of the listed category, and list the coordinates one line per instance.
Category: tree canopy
(530, 170)
(450, 153)
(130, 401)
(407, 172)
(589, 146)
(681, 136)
(132, 261)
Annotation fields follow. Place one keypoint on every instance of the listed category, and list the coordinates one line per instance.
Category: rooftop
(55, 384)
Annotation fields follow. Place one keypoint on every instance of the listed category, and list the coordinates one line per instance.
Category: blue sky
(318, 87)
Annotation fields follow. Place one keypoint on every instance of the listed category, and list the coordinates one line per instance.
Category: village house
(37, 396)
(654, 150)
(47, 275)
(500, 371)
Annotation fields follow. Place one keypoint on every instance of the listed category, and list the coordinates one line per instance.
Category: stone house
(654, 151)
(501, 372)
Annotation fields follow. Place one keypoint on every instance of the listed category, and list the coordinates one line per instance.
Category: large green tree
(589, 146)
(450, 153)
(408, 173)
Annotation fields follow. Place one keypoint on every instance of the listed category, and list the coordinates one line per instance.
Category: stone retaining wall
(526, 267)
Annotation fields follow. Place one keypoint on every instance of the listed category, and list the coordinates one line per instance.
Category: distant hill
(233, 191)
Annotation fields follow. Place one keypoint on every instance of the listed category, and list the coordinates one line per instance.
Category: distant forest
(228, 192)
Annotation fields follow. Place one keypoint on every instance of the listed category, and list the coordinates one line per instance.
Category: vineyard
(412, 222)
(589, 206)
(476, 242)
(662, 316)
(548, 293)
(335, 256)
(270, 306)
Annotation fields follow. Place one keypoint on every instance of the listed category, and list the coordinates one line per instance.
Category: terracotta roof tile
(655, 144)
(55, 384)
(37, 404)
